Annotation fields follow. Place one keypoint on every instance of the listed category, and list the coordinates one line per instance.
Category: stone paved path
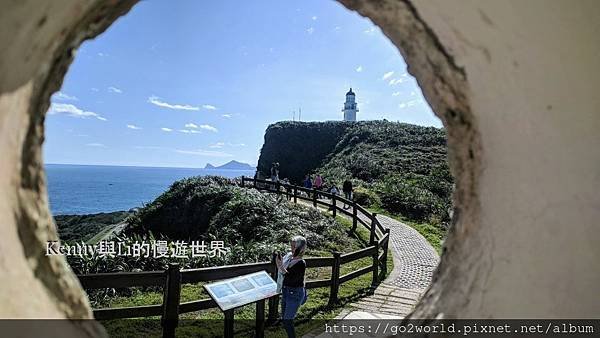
(395, 297)
(414, 262)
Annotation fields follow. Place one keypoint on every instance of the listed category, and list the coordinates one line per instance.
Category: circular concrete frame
(28, 90)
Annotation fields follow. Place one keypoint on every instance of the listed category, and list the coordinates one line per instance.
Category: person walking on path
(291, 270)
(347, 189)
(307, 183)
(275, 172)
(334, 191)
(318, 183)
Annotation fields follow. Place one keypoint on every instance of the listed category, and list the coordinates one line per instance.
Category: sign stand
(235, 292)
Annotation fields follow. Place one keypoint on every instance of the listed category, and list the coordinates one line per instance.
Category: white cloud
(370, 30)
(189, 131)
(166, 129)
(387, 75)
(314, 17)
(102, 54)
(402, 105)
(201, 152)
(191, 125)
(413, 93)
(227, 116)
(395, 81)
(412, 102)
(359, 69)
(98, 145)
(310, 30)
(209, 107)
(114, 90)
(156, 101)
(209, 127)
(395, 93)
(95, 89)
(217, 145)
(71, 110)
(337, 28)
(134, 127)
(63, 96)
(150, 147)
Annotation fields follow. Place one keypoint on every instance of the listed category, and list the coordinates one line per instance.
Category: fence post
(354, 217)
(375, 264)
(259, 331)
(170, 316)
(295, 194)
(373, 228)
(273, 301)
(314, 197)
(333, 206)
(243, 178)
(335, 279)
(385, 252)
(228, 327)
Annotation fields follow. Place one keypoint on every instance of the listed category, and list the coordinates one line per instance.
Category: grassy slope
(210, 322)
(76, 228)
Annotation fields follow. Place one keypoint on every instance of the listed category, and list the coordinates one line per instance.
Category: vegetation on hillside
(77, 228)
(251, 225)
(399, 167)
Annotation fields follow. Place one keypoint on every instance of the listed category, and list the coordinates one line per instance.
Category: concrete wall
(533, 72)
(524, 242)
(515, 82)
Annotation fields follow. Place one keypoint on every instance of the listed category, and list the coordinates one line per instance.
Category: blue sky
(183, 83)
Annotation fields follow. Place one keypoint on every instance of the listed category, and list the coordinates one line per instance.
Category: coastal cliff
(397, 166)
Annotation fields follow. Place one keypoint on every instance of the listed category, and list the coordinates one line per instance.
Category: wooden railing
(172, 279)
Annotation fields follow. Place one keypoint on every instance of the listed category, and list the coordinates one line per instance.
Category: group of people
(317, 184)
(320, 185)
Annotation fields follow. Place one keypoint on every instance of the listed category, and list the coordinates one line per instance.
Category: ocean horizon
(88, 189)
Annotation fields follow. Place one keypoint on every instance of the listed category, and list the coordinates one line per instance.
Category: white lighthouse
(350, 106)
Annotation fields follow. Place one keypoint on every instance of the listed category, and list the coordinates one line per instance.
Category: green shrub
(407, 198)
(77, 228)
(366, 197)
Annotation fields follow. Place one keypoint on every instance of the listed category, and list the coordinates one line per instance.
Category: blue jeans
(291, 299)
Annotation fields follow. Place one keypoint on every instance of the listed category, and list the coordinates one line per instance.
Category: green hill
(214, 208)
(397, 166)
(77, 228)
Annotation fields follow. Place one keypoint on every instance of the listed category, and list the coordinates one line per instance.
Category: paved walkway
(414, 262)
(394, 298)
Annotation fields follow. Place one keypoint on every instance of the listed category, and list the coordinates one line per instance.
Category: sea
(89, 189)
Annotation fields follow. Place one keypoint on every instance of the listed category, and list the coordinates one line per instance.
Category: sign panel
(242, 290)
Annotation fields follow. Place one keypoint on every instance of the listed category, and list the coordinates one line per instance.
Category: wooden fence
(173, 278)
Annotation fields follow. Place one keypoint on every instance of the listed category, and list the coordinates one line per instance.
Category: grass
(209, 323)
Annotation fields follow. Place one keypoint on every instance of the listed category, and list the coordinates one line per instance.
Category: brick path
(395, 297)
(414, 263)
(415, 260)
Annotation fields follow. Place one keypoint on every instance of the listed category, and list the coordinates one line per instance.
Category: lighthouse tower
(350, 106)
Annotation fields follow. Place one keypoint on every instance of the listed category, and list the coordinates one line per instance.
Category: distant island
(231, 165)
